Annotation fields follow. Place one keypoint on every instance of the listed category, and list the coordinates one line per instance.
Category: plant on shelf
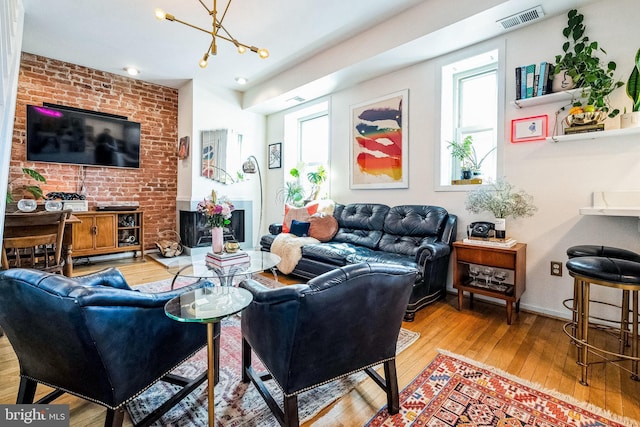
(580, 62)
(633, 85)
(34, 190)
(466, 153)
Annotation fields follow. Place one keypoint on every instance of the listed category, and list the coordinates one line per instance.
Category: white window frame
(444, 130)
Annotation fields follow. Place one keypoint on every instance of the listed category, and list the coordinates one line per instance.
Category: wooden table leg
(67, 269)
(211, 375)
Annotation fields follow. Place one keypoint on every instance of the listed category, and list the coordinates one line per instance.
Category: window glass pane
(478, 100)
(314, 140)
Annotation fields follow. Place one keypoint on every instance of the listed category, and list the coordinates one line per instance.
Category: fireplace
(195, 233)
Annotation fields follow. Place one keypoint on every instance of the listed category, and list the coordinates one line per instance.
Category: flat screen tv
(69, 135)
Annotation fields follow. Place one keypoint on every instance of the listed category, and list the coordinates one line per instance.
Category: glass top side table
(208, 305)
(195, 267)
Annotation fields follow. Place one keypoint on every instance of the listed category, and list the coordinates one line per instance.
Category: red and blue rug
(455, 392)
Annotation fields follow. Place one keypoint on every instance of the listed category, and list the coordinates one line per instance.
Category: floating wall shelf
(565, 96)
(594, 135)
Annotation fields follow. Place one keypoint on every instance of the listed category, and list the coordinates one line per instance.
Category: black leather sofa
(418, 236)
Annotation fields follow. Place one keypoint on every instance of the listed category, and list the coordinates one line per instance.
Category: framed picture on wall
(379, 145)
(183, 148)
(275, 155)
(529, 129)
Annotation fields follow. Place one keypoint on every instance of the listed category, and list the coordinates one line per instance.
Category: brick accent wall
(153, 185)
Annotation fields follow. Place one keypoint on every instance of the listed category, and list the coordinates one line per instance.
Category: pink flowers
(217, 211)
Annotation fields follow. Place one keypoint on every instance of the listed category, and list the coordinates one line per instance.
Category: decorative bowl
(231, 246)
(53, 205)
(589, 118)
(27, 205)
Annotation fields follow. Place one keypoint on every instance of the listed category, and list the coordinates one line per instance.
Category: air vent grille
(521, 18)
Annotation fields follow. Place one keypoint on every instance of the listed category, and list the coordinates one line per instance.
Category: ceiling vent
(521, 18)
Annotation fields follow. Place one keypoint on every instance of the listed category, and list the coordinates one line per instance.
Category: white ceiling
(315, 46)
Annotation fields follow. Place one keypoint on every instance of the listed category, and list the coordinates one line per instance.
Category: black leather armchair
(94, 337)
(340, 322)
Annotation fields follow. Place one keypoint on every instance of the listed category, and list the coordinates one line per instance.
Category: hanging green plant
(581, 62)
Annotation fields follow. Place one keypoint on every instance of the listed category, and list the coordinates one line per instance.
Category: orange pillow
(323, 227)
(300, 214)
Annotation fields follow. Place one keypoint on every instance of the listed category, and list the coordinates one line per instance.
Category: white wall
(560, 176)
(204, 108)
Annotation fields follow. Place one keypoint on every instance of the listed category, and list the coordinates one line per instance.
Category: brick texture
(153, 185)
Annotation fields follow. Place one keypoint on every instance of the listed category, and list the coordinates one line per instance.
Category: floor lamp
(250, 166)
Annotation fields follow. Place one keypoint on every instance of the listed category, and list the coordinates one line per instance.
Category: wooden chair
(34, 240)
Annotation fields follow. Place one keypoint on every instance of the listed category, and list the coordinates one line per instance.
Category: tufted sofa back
(360, 223)
(407, 227)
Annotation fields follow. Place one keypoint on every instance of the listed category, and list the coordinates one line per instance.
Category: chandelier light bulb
(160, 14)
(263, 53)
(241, 49)
(204, 61)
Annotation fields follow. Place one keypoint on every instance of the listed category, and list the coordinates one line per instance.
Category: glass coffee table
(195, 267)
(208, 305)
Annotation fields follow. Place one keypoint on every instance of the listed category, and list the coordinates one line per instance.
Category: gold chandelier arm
(205, 6)
(193, 26)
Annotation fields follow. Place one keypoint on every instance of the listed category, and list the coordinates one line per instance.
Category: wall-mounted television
(69, 135)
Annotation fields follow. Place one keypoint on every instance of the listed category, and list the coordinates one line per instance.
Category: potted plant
(580, 63)
(293, 192)
(316, 178)
(34, 190)
(503, 201)
(632, 119)
(466, 153)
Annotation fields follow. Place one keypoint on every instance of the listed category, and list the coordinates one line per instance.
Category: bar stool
(613, 273)
(608, 252)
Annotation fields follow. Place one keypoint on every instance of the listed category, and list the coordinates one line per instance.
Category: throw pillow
(323, 227)
(300, 214)
(300, 228)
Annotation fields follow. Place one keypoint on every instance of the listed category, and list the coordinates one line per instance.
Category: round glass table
(208, 305)
(195, 267)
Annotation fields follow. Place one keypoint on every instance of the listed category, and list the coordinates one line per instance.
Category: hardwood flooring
(534, 348)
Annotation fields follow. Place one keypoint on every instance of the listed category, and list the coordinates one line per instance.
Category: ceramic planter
(630, 120)
(562, 81)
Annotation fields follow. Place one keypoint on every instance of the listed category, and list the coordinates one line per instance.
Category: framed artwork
(379, 145)
(183, 148)
(275, 155)
(529, 129)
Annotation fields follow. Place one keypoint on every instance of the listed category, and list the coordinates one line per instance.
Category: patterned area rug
(453, 391)
(236, 403)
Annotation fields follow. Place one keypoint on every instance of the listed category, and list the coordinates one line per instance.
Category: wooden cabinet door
(105, 236)
(83, 233)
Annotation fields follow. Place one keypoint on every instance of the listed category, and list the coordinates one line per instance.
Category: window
(472, 105)
(307, 130)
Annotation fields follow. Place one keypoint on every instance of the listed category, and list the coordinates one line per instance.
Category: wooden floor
(533, 348)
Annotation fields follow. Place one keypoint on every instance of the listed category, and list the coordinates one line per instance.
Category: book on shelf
(545, 76)
(490, 241)
(570, 130)
(518, 82)
(531, 72)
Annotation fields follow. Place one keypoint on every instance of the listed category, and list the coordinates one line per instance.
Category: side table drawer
(486, 257)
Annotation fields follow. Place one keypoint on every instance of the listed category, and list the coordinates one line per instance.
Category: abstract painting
(379, 143)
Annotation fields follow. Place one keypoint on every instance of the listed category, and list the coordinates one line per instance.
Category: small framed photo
(529, 129)
(275, 155)
(183, 148)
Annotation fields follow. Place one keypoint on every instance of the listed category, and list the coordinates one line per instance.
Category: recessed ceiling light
(132, 71)
(241, 80)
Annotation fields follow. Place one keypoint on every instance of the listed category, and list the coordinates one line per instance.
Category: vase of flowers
(502, 200)
(217, 212)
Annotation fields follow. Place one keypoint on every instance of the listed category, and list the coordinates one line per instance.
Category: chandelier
(215, 32)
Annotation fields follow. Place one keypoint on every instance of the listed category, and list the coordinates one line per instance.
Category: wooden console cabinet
(107, 232)
(512, 259)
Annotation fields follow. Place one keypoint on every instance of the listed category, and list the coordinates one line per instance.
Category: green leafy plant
(34, 190)
(316, 178)
(466, 153)
(293, 192)
(633, 84)
(584, 67)
(501, 199)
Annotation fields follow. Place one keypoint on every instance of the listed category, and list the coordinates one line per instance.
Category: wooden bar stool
(613, 273)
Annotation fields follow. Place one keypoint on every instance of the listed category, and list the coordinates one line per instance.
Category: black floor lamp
(250, 166)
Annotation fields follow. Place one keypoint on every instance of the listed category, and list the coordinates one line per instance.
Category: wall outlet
(556, 268)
